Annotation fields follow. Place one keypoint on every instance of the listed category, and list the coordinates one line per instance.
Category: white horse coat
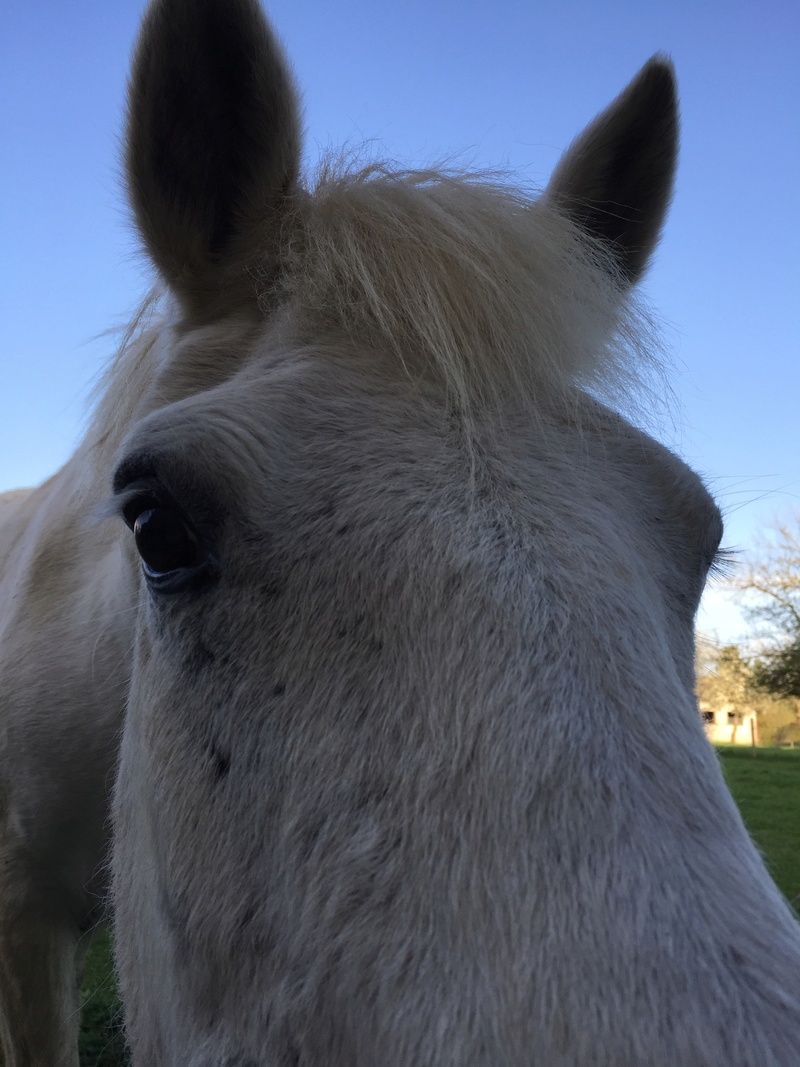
(411, 767)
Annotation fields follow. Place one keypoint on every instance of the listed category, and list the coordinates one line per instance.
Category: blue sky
(506, 83)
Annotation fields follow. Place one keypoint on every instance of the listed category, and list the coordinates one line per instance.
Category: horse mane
(464, 276)
(474, 277)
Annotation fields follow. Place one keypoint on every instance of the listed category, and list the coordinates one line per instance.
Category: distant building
(729, 724)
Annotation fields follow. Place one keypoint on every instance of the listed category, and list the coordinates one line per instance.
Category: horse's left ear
(213, 143)
(615, 180)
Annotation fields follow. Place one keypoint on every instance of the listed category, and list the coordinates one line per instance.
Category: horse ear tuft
(616, 179)
(213, 140)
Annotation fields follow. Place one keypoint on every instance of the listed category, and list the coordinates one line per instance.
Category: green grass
(101, 1042)
(766, 788)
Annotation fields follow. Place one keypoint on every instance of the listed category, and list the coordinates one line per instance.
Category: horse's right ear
(615, 180)
(213, 142)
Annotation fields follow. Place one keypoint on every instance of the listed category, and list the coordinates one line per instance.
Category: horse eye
(165, 541)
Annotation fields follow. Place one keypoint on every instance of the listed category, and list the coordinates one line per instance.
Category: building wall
(726, 725)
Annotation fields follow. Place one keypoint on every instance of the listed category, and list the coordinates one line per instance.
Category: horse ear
(212, 141)
(615, 180)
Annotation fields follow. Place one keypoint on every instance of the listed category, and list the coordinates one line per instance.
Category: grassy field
(101, 1041)
(766, 788)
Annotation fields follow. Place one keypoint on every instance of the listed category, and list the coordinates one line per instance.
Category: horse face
(351, 733)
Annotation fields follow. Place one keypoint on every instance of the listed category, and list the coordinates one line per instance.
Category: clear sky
(500, 82)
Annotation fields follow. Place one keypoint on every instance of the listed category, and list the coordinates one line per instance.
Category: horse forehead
(334, 402)
(298, 397)
(337, 415)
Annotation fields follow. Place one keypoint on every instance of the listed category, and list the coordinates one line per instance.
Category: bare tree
(723, 676)
(726, 678)
(770, 586)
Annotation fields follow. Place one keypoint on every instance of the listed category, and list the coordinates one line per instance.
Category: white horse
(411, 768)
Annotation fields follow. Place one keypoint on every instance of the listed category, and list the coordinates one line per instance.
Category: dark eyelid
(138, 468)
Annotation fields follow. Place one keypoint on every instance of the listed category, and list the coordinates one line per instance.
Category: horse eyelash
(724, 563)
(116, 506)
